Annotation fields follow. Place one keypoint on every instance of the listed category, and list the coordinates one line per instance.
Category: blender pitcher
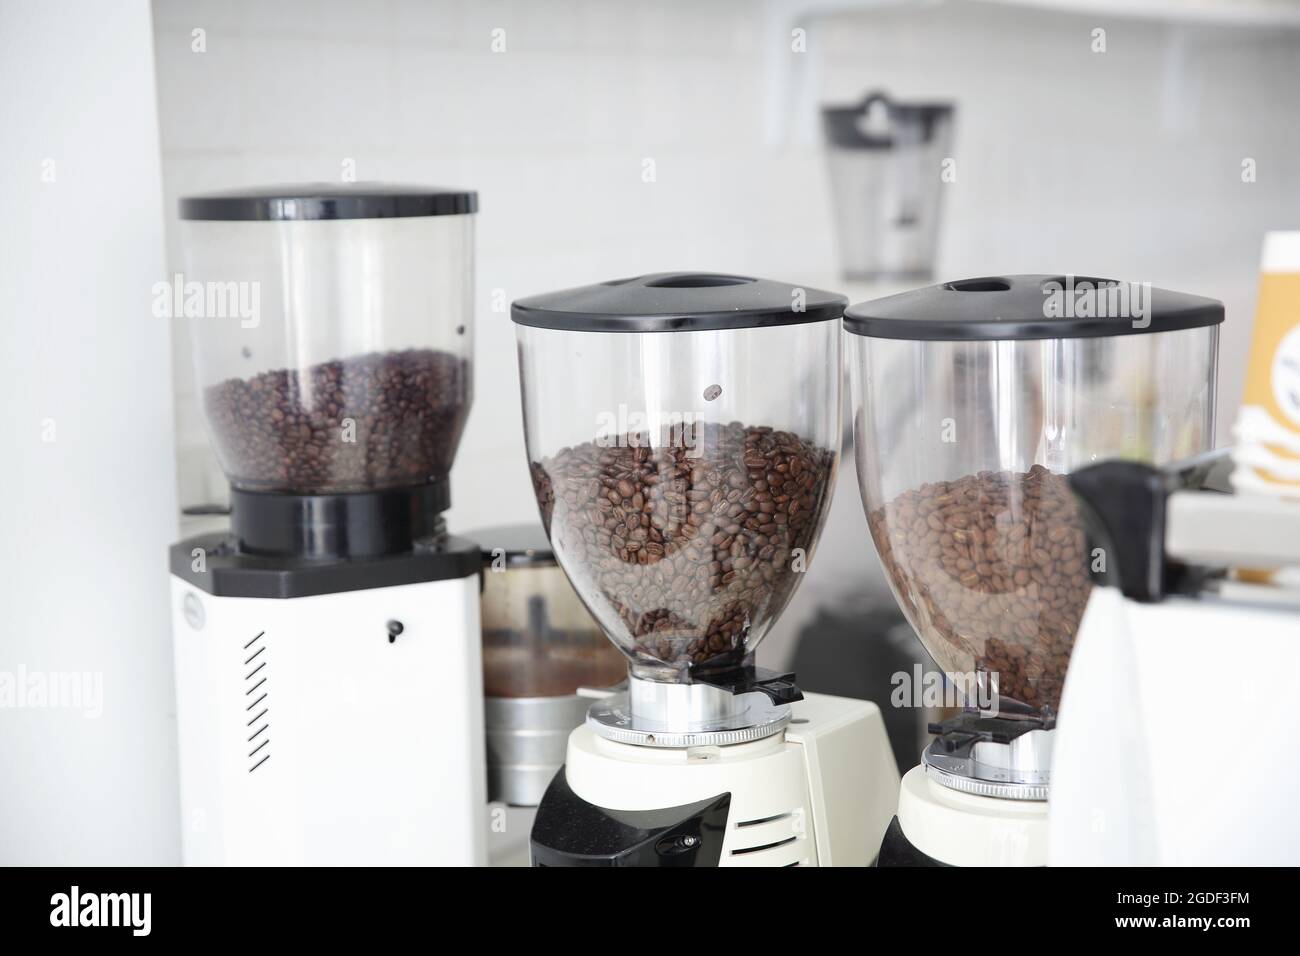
(884, 159)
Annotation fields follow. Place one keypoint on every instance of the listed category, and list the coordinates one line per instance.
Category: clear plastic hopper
(682, 435)
(972, 401)
(332, 332)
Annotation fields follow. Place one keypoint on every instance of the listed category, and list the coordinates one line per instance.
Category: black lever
(779, 687)
(1124, 506)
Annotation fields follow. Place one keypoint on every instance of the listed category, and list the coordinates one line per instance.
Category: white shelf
(1242, 13)
(791, 81)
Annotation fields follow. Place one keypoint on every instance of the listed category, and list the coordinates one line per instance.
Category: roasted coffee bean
(990, 570)
(719, 567)
(375, 421)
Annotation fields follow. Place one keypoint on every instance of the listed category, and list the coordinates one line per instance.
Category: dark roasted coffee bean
(990, 569)
(374, 421)
(713, 569)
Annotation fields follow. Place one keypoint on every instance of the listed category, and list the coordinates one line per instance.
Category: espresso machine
(683, 432)
(974, 400)
(327, 647)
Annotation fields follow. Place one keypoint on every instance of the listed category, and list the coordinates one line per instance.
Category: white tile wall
(1123, 163)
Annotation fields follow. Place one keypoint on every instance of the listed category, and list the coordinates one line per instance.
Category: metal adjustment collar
(992, 756)
(660, 714)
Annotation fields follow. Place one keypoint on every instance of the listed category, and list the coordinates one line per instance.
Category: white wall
(87, 465)
(1124, 163)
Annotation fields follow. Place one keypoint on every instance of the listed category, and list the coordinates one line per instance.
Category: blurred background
(1153, 141)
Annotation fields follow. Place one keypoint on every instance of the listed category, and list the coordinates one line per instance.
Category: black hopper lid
(329, 201)
(678, 302)
(1030, 307)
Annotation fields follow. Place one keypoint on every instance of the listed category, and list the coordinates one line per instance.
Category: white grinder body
(819, 793)
(310, 733)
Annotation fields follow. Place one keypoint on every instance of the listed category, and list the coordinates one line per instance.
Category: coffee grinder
(682, 431)
(327, 649)
(973, 402)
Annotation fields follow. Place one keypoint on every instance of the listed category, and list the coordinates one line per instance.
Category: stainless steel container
(539, 646)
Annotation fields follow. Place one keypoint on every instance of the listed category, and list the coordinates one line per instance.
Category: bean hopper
(974, 401)
(682, 434)
(327, 651)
